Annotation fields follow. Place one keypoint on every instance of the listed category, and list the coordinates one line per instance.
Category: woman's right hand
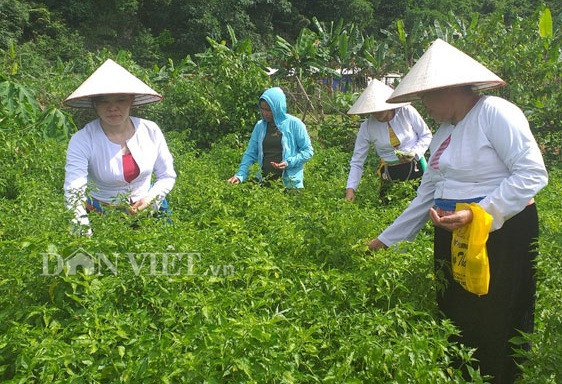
(234, 180)
(376, 244)
(349, 194)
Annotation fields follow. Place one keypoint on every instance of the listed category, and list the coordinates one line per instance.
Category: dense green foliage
(212, 92)
(215, 96)
(273, 286)
(279, 290)
(158, 29)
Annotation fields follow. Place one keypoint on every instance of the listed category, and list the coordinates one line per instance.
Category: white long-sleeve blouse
(410, 129)
(492, 154)
(93, 161)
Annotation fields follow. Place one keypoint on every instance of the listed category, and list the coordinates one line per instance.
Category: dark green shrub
(212, 96)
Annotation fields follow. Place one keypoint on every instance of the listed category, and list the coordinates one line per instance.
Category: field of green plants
(259, 285)
(272, 287)
(249, 284)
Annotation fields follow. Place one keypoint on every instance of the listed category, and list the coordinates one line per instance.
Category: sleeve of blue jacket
(250, 156)
(304, 146)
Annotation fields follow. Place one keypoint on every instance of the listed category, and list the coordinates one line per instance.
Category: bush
(213, 96)
(273, 286)
(279, 287)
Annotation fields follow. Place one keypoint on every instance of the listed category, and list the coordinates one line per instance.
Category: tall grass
(272, 287)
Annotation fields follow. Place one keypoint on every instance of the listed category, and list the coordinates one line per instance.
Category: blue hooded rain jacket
(297, 148)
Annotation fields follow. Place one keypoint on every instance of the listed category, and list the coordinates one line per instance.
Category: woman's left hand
(452, 220)
(139, 205)
(281, 165)
(405, 156)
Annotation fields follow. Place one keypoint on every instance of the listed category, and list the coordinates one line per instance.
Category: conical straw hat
(111, 78)
(373, 99)
(443, 66)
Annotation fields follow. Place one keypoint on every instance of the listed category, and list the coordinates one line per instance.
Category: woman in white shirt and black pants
(483, 152)
(116, 155)
(398, 134)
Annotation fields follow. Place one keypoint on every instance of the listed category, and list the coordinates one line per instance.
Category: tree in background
(160, 29)
(15, 18)
(53, 41)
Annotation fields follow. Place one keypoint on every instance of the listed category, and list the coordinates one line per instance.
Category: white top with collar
(410, 129)
(93, 160)
(492, 154)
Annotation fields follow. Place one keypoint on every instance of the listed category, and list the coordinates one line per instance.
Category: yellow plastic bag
(469, 257)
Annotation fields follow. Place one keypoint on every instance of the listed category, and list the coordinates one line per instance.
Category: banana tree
(373, 58)
(306, 58)
(412, 42)
(344, 43)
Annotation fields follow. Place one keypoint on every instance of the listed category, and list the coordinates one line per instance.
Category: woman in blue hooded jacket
(279, 143)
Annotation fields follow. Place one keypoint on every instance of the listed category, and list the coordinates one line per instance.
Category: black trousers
(489, 321)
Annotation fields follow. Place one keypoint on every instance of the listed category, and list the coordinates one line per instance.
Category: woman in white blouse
(483, 152)
(112, 159)
(398, 133)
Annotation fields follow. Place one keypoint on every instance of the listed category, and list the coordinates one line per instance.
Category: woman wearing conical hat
(484, 153)
(113, 158)
(398, 133)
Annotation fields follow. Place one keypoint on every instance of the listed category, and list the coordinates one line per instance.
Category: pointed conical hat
(373, 99)
(111, 78)
(443, 66)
